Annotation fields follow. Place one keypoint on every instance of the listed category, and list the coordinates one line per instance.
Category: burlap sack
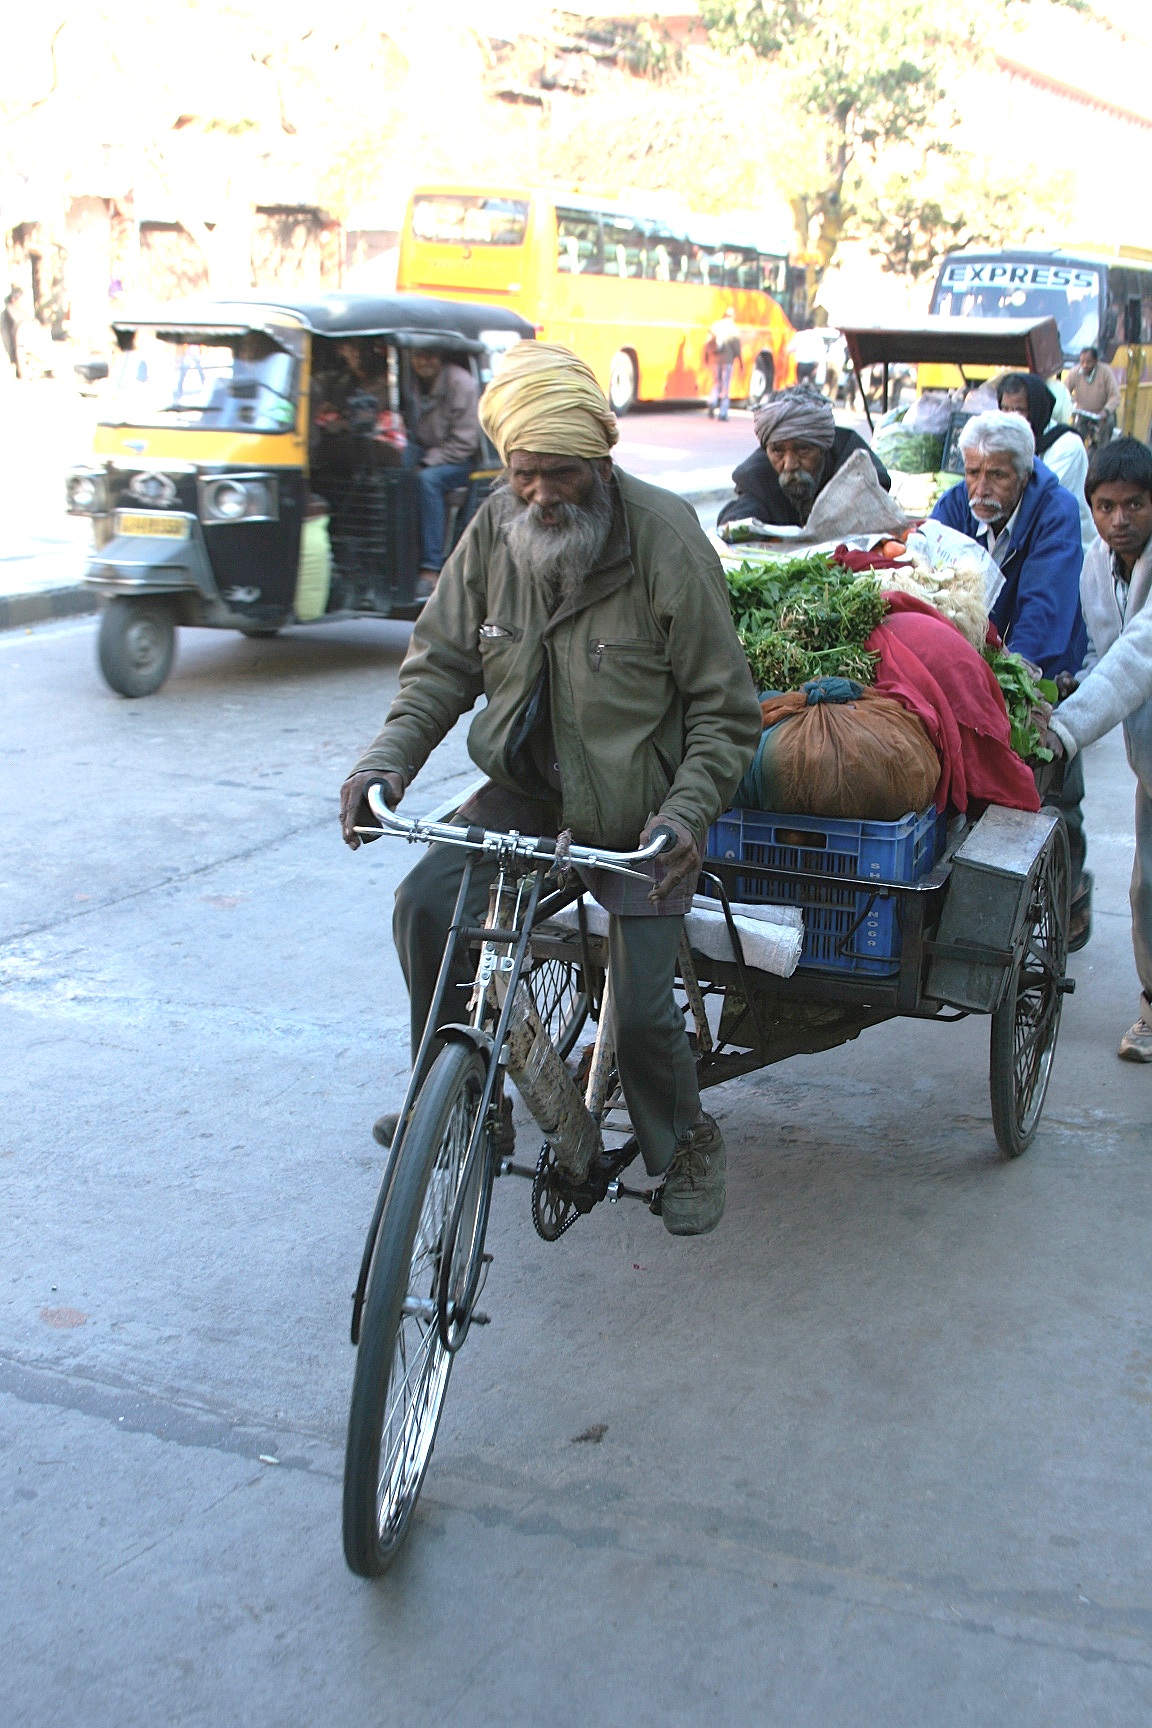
(854, 502)
(868, 759)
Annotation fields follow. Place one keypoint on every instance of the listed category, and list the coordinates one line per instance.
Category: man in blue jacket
(1015, 506)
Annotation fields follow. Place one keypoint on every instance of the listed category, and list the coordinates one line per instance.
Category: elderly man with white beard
(1015, 506)
(590, 611)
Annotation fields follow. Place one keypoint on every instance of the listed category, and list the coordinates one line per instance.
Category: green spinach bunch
(804, 617)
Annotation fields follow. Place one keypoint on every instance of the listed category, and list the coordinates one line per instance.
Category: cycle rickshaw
(928, 921)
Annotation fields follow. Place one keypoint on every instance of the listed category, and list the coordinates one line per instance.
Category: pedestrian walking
(10, 328)
(722, 350)
(1115, 685)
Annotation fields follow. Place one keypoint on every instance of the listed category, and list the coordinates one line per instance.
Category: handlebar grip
(668, 835)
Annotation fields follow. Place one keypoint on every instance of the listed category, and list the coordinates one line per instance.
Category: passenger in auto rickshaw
(351, 395)
(443, 444)
(356, 433)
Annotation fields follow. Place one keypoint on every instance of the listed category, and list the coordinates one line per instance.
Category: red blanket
(927, 664)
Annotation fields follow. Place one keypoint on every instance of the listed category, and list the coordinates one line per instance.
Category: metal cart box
(988, 900)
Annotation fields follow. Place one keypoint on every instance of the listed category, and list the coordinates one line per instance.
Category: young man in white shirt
(1115, 686)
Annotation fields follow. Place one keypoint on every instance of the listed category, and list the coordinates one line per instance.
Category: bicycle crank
(557, 1201)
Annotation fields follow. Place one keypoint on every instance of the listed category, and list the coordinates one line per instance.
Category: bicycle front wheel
(403, 1361)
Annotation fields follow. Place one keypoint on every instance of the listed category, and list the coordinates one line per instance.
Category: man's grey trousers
(653, 1057)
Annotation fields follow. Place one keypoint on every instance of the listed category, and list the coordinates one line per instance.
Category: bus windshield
(1022, 288)
(451, 219)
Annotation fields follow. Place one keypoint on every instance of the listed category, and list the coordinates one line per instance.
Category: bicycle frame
(534, 857)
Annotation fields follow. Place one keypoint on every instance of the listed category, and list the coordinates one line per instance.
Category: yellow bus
(630, 290)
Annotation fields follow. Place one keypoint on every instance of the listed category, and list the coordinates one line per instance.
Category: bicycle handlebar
(537, 848)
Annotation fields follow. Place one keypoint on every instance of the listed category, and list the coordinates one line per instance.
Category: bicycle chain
(542, 1184)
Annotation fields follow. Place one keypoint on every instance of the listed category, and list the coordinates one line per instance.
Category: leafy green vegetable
(908, 451)
(804, 617)
(1021, 694)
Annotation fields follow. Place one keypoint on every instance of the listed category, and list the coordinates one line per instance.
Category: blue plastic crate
(845, 929)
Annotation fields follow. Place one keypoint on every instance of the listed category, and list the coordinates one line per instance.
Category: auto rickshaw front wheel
(136, 644)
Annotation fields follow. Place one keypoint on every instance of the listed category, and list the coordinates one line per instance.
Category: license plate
(152, 524)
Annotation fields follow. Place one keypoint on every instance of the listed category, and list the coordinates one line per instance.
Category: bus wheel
(763, 380)
(622, 382)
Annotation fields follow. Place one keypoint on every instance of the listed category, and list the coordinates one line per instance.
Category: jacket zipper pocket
(636, 642)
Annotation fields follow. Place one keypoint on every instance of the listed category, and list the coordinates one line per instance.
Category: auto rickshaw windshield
(228, 381)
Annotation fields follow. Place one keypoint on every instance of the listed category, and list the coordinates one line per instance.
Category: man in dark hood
(801, 447)
(1057, 446)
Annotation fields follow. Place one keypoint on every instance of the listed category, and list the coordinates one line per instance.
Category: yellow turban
(545, 399)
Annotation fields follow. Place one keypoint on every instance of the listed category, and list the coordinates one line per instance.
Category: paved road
(876, 1452)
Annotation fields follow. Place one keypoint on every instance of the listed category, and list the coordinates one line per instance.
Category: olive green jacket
(652, 703)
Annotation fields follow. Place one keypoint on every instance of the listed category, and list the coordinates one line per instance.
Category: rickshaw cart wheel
(404, 1359)
(1027, 1023)
(136, 644)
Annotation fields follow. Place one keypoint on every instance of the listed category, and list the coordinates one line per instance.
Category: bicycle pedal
(480, 1319)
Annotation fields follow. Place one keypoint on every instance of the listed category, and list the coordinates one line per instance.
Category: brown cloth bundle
(868, 759)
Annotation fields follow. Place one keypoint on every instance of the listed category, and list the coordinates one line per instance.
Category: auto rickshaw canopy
(408, 320)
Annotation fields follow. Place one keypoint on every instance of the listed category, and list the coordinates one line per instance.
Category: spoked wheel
(557, 988)
(1026, 1025)
(417, 1308)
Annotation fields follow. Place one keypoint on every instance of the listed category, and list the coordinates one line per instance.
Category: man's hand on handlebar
(680, 859)
(354, 810)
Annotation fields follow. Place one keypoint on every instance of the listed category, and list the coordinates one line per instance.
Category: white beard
(561, 557)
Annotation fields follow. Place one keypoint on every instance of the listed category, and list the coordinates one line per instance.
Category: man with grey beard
(590, 611)
(559, 546)
(801, 447)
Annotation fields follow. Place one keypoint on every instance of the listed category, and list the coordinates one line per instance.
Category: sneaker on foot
(693, 1198)
(1136, 1044)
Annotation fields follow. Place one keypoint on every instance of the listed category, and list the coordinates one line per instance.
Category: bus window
(577, 243)
(623, 247)
(774, 277)
(663, 256)
(741, 268)
(451, 220)
(692, 267)
(712, 268)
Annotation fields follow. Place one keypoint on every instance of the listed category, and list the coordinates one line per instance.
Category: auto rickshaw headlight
(238, 498)
(85, 494)
(229, 500)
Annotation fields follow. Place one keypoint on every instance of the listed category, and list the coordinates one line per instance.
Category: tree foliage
(863, 81)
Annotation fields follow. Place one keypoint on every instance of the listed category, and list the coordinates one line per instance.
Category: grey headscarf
(801, 413)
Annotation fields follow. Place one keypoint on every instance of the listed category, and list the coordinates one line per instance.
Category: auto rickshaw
(250, 469)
